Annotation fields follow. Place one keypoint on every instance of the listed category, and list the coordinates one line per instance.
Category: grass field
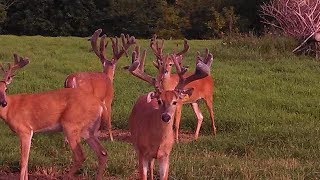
(267, 110)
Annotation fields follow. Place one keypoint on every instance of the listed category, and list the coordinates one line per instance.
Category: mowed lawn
(266, 102)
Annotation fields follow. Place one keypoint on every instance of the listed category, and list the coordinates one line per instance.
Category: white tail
(76, 113)
(101, 83)
(151, 119)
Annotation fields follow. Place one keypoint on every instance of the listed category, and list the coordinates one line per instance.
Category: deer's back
(47, 109)
(202, 88)
(95, 83)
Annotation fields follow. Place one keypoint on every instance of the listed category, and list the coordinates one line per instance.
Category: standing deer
(101, 83)
(151, 119)
(203, 88)
(74, 112)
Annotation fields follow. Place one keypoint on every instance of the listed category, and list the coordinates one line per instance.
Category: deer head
(163, 63)
(117, 49)
(8, 75)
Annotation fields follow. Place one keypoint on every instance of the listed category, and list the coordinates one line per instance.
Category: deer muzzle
(165, 117)
(3, 103)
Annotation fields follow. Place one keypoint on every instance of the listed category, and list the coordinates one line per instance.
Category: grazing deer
(74, 112)
(151, 119)
(101, 83)
(203, 88)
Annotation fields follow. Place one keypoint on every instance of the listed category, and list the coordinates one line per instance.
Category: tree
(4, 5)
(3, 13)
(50, 17)
(297, 18)
(171, 25)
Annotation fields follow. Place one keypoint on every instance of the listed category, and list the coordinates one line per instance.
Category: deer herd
(83, 107)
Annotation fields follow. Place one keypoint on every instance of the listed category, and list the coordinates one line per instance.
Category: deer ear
(150, 96)
(9, 79)
(186, 92)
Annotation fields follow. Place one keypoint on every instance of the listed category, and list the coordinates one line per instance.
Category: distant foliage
(3, 13)
(199, 19)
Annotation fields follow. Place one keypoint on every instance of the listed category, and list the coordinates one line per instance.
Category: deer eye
(174, 102)
(159, 102)
(170, 64)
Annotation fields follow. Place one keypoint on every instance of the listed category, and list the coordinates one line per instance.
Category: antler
(156, 47)
(99, 51)
(18, 63)
(157, 50)
(207, 59)
(137, 66)
(186, 47)
(117, 50)
(202, 70)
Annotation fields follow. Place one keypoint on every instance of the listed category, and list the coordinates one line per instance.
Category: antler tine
(103, 46)
(157, 49)
(127, 41)
(186, 47)
(93, 41)
(136, 68)
(142, 60)
(139, 58)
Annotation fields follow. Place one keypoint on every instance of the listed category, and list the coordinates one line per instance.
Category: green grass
(267, 110)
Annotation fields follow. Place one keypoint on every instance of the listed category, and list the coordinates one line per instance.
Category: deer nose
(3, 103)
(165, 117)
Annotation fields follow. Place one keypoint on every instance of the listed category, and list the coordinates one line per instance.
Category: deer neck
(109, 71)
(168, 82)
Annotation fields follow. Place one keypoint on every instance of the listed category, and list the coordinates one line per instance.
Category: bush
(251, 47)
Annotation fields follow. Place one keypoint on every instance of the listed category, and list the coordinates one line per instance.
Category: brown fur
(76, 113)
(203, 89)
(98, 84)
(151, 136)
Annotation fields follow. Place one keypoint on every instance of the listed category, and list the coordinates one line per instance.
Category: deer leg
(199, 115)
(208, 100)
(143, 167)
(106, 117)
(101, 154)
(77, 153)
(177, 120)
(109, 121)
(151, 165)
(164, 167)
(25, 144)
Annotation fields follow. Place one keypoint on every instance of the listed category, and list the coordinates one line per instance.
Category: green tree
(138, 17)
(3, 13)
(171, 25)
(50, 17)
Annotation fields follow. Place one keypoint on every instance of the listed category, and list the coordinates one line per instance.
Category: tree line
(196, 19)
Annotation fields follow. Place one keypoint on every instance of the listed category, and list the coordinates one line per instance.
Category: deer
(203, 88)
(74, 112)
(151, 120)
(101, 83)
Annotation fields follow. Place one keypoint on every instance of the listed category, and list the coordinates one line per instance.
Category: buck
(74, 112)
(203, 88)
(151, 119)
(101, 83)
